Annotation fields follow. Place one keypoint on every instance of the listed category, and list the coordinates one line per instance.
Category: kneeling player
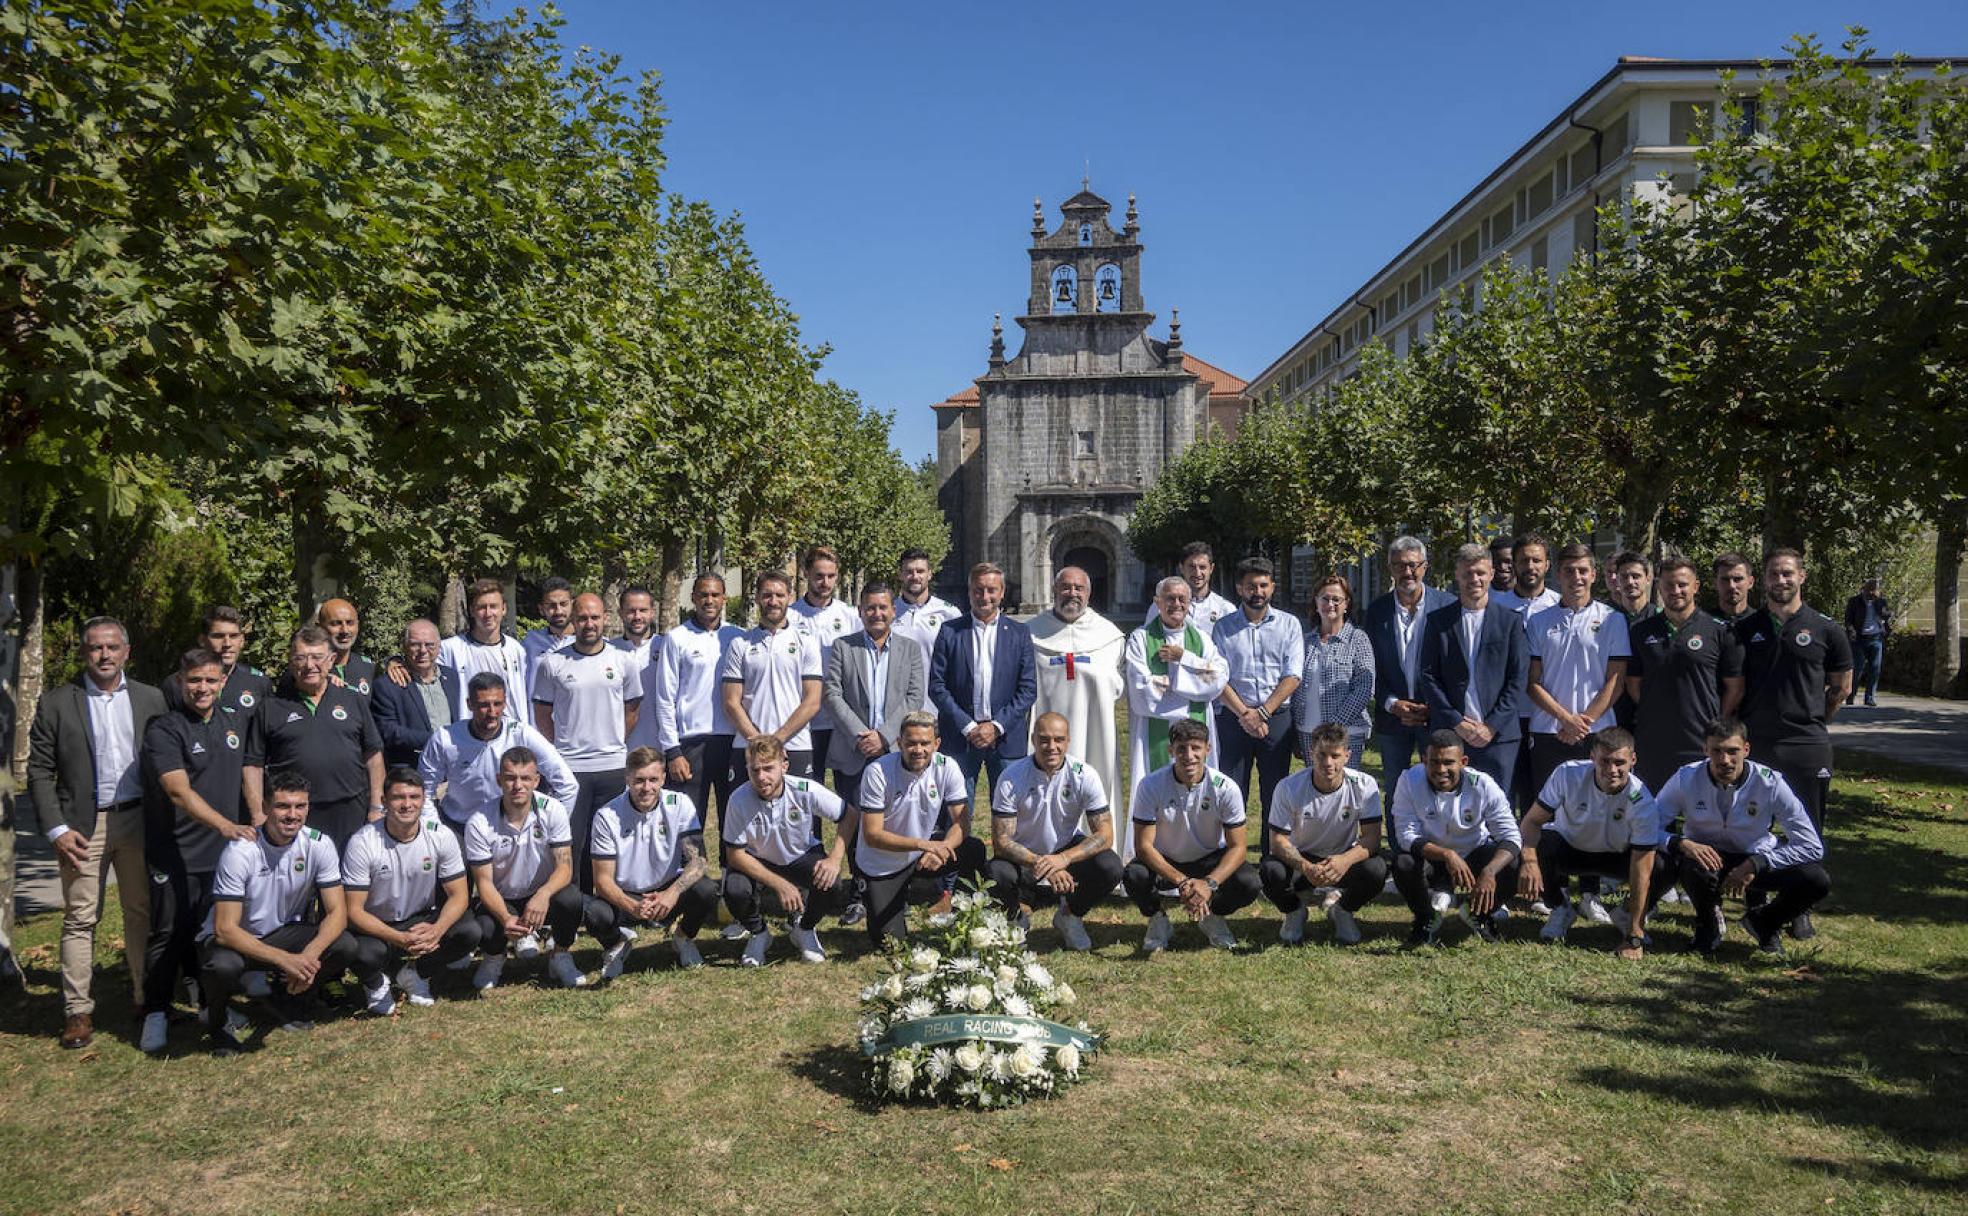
(263, 894)
(1595, 817)
(1452, 830)
(1189, 835)
(1041, 854)
(405, 876)
(521, 854)
(1324, 823)
(1731, 811)
(771, 837)
(915, 808)
(648, 850)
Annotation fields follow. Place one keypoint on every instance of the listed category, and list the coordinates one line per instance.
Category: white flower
(941, 920)
(868, 993)
(917, 983)
(924, 959)
(983, 938)
(970, 1057)
(1017, 1006)
(1007, 974)
(871, 1029)
(965, 964)
(979, 998)
(1026, 1060)
(1016, 937)
(918, 1008)
(1064, 993)
(1037, 974)
(938, 1065)
(900, 1073)
(1068, 1058)
(1000, 1066)
(954, 998)
(891, 988)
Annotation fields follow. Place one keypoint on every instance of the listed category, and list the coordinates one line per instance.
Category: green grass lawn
(1459, 1079)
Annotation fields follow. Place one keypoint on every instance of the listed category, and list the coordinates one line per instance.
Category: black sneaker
(1484, 927)
(1801, 928)
(1420, 934)
(1703, 945)
(1768, 941)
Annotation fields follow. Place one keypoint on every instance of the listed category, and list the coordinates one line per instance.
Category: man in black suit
(87, 795)
(1475, 661)
(983, 679)
(1395, 624)
(406, 714)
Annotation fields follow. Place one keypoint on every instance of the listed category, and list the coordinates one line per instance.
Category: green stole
(1158, 728)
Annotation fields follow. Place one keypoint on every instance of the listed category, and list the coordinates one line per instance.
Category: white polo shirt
(910, 804)
(687, 695)
(468, 768)
(1594, 821)
(275, 885)
(825, 626)
(641, 659)
(924, 621)
(1322, 824)
(1048, 807)
(1462, 820)
(401, 878)
(521, 857)
(538, 644)
(646, 846)
(772, 668)
(470, 657)
(587, 694)
(783, 830)
(1573, 646)
(1525, 608)
(1191, 821)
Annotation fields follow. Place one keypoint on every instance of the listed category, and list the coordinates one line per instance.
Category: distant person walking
(1868, 619)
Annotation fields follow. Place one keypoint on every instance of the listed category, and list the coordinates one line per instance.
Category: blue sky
(884, 157)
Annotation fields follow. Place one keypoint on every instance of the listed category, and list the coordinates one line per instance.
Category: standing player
(485, 647)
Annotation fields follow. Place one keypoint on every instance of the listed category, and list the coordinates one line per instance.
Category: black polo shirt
(326, 742)
(210, 752)
(1681, 672)
(358, 674)
(1784, 670)
(245, 688)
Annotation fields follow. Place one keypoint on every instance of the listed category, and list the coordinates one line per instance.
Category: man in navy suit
(406, 713)
(1475, 659)
(1395, 625)
(982, 681)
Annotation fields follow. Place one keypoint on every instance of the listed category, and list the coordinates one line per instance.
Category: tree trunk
(1783, 525)
(308, 550)
(1950, 546)
(451, 605)
(669, 585)
(29, 619)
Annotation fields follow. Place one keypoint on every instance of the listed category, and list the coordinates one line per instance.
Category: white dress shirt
(984, 651)
(1472, 631)
(113, 732)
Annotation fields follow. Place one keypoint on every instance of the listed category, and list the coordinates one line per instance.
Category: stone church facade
(1040, 463)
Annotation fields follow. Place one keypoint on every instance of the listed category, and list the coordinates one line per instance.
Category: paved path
(36, 887)
(1920, 730)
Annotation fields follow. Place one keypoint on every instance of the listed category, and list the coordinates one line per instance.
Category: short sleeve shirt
(1191, 821)
(1593, 821)
(244, 688)
(825, 626)
(1324, 824)
(469, 657)
(401, 877)
(211, 753)
(587, 694)
(646, 846)
(328, 743)
(1461, 820)
(1048, 807)
(275, 883)
(781, 830)
(1784, 674)
(910, 804)
(1681, 669)
(1573, 646)
(521, 857)
(773, 668)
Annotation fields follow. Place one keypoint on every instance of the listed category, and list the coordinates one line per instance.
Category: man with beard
(1682, 660)
(821, 615)
(1453, 830)
(1733, 582)
(693, 731)
(919, 614)
(1395, 623)
(915, 815)
(585, 702)
(1078, 652)
(225, 636)
(642, 646)
(771, 679)
(346, 668)
(1263, 654)
(557, 610)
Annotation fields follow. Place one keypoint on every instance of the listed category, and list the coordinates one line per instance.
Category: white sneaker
(1558, 923)
(380, 1000)
(629, 934)
(1346, 930)
(156, 1032)
(754, 955)
(490, 968)
(416, 989)
(1673, 896)
(1292, 932)
(255, 983)
(686, 952)
(1157, 937)
(527, 947)
(1217, 931)
(1591, 909)
(807, 942)
(1441, 902)
(1540, 908)
(734, 932)
(560, 965)
(1072, 930)
(613, 958)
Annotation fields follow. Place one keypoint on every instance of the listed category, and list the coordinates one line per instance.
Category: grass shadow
(836, 1069)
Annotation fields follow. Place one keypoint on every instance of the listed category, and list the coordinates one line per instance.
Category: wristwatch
(1212, 885)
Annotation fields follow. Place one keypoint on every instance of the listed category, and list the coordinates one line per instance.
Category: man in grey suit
(871, 679)
(87, 796)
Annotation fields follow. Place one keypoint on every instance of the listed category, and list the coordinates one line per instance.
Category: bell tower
(1084, 267)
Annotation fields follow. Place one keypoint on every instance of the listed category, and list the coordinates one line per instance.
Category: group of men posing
(488, 795)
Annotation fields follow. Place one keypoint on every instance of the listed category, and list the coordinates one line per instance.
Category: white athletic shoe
(1072, 930)
(490, 968)
(156, 1032)
(1558, 923)
(734, 932)
(1346, 930)
(560, 965)
(1217, 931)
(686, 952)
(754, 955)
(1540, 908)
(1157, 937)
(629, 934)
(527, 947)
(416, 989)
(807, 942)
(1591, 909)
(613, 958)
(255, 983)
(1673, 896)
(380, 1000)
(1292, 932)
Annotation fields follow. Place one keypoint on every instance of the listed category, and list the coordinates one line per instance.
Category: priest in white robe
(1079, 661)
(1173, 672)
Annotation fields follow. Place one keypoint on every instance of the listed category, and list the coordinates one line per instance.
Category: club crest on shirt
(245, 700)
(232, 740)
(1695, 643)
(795, 814)
(427, 863)
(1803, 637)
(539, 833)
(362, 686)
(793, 646)
(339, 714)
(608, 673)
(300, 865)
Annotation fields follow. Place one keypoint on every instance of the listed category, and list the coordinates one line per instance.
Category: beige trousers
(6, 878)
(116, 845)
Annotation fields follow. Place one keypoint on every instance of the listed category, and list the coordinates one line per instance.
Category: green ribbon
(1158, 728)
(990, 1027)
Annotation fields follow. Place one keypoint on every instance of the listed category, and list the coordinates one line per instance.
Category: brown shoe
(78, 1031)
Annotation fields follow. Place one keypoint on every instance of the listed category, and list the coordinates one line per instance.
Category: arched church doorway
(1100, 573)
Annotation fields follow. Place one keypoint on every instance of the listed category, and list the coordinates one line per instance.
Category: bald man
(1052, 835)
(346, 668)
(586, 698)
